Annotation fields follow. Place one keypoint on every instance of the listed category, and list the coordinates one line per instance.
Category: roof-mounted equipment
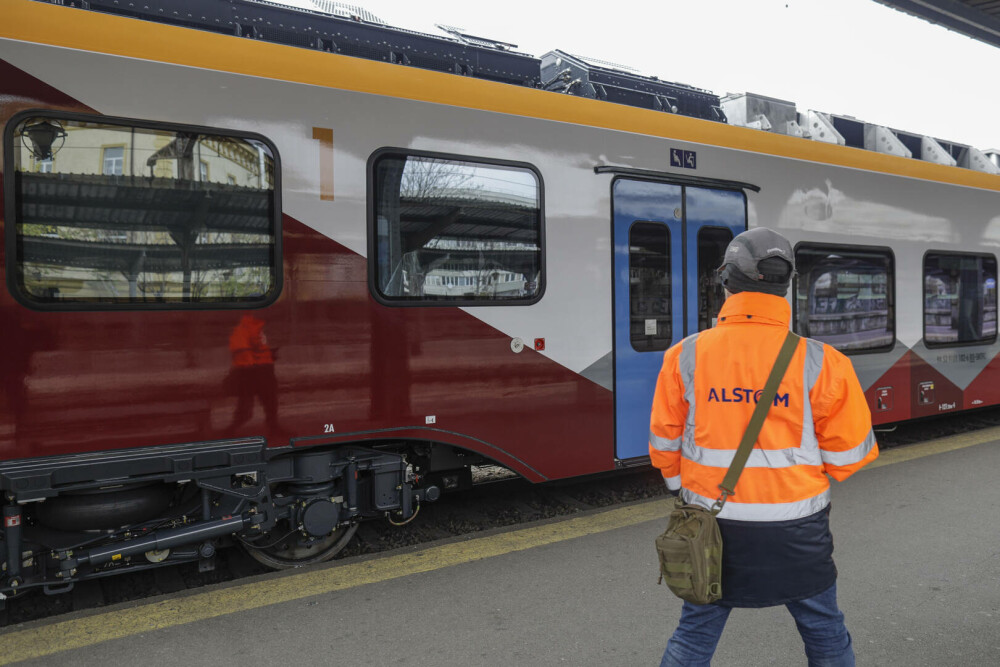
(762, 113)
(566, 73)
(344, 10)
(881, 139)
(342, 28)
(932, 151)
(987, 161)
(466, 38)
(818, 126)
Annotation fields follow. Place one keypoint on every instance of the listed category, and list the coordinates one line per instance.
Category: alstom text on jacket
(743, 395)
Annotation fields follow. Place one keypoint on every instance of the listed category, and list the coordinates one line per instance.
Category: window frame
(12, 216)
(697, 241)
(923, 297)
(372, 229)
(104, 158)
(890, 287)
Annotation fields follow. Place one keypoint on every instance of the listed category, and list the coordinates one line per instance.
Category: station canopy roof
(978, 19)
(218, 226)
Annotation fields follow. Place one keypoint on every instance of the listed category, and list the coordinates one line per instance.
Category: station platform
(917, 540)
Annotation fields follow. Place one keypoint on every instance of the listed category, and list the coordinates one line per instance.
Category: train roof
(348, 30)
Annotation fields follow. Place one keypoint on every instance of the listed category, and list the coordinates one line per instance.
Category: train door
(668, 241)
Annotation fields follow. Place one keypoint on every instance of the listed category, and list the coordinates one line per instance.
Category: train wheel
(289, 553)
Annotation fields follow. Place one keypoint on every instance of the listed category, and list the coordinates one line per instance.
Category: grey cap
(742, 271)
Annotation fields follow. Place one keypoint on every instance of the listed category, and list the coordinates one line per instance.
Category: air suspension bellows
(104, 509)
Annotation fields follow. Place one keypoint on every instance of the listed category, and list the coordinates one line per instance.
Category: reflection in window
(843, 296)
(960, 298)
(114, 214)
(712, 243)
(450, 230)
(649, 286)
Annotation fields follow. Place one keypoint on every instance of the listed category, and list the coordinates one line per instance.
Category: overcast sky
(851, 57)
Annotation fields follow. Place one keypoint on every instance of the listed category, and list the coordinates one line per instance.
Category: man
(777, 546)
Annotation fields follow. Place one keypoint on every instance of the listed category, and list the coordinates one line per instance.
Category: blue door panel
(635, 372)
(704, 207)
(687, 213)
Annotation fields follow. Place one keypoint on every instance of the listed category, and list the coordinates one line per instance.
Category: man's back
(819, 421)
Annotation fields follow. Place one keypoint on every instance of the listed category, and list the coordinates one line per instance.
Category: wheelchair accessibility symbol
(683, 159)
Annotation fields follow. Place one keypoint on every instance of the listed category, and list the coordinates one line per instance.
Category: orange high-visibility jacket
(819, 422)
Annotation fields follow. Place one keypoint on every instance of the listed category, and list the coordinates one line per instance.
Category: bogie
(293, 509)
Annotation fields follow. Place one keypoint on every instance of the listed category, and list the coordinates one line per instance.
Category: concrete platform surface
(917, 546)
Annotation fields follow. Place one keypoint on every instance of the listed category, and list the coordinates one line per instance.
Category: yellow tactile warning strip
(939, 446)
(59, 636)
(115, 35)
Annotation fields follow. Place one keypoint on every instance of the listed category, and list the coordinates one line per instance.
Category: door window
(712, 243)
(649, 286)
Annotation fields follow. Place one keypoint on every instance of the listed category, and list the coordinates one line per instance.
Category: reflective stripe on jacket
(707, 389)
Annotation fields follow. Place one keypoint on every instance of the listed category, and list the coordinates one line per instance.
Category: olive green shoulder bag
(690, 549)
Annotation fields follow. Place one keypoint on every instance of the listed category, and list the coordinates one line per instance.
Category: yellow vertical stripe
(325, 137)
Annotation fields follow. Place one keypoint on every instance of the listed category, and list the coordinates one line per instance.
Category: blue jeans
(820, 623)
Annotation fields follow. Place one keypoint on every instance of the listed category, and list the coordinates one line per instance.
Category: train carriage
(270, 272)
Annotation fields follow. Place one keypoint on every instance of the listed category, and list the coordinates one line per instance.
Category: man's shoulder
(831, 354)
(836, 364)
(689, 340)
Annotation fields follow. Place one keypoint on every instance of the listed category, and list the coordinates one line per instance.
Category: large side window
(960, 298)
(844, 296)
(124, 214)
(649, 286)
(455, 231)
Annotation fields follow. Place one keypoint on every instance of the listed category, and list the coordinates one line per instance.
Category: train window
(712, 244)
(119, 214)
(455, 231)
(843, 296)
(960, 298)
(649, 286)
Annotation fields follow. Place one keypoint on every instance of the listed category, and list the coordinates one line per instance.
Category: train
(270, 272)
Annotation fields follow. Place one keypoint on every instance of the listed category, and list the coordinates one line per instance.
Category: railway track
(497, 500)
